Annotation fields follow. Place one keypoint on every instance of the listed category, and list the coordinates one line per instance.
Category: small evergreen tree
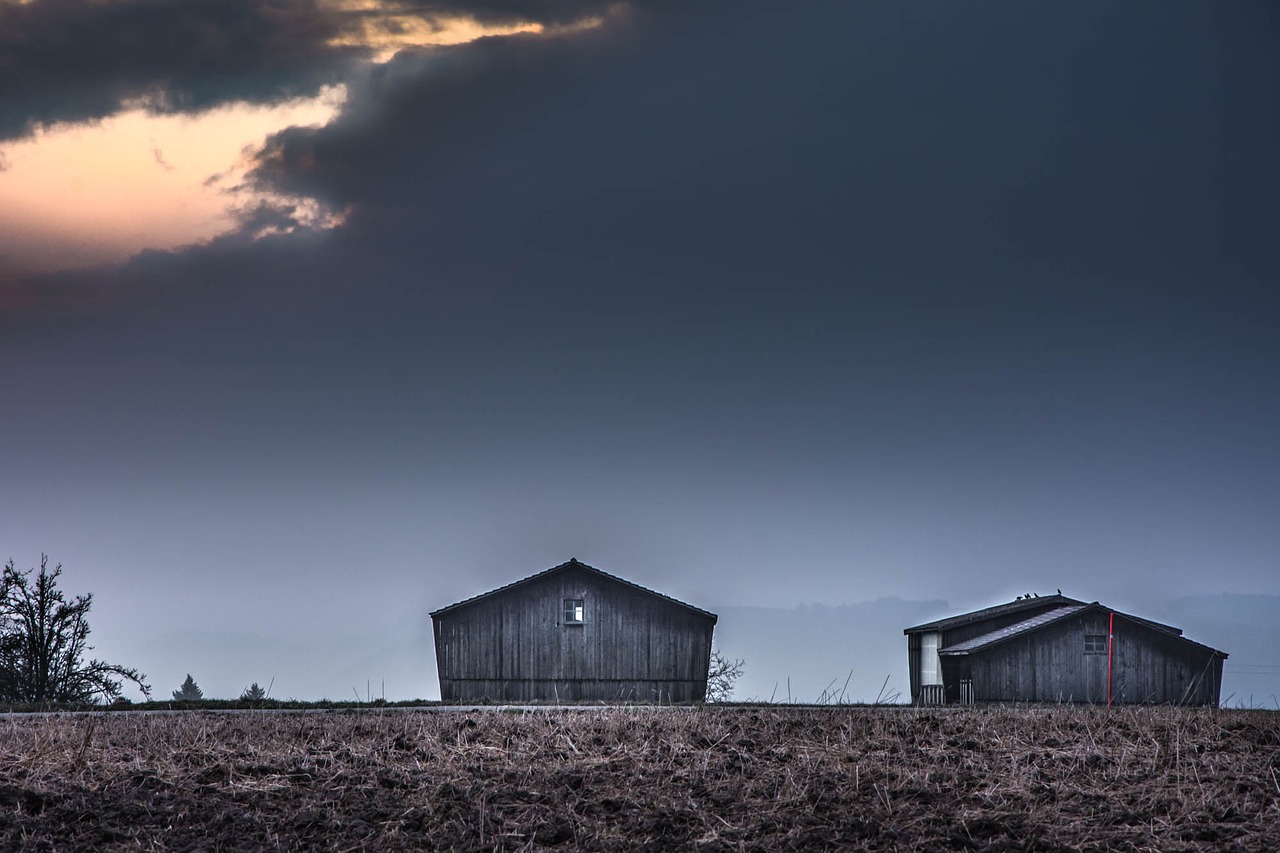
(189, 691)
(253, 693)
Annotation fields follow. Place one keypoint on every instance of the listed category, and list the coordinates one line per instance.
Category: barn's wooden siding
(1150, 666)
(632, 645)
(913, 666)
(1050, 665)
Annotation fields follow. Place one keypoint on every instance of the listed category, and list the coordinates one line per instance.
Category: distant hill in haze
(1246, 627)
(805, 650)
(334, 662)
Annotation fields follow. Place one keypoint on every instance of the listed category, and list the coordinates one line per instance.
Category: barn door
(931, 689)
(1094, 670)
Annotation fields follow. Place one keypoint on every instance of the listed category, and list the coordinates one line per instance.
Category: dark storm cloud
(418, 116)
(68, 60)
(971, 143)
(481, 90)
(1023, 165)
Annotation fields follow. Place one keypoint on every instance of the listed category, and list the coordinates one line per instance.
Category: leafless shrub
(722, 675)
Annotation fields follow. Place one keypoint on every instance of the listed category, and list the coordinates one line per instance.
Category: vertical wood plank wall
(1050, 665)
(913, 666)
(633, 646)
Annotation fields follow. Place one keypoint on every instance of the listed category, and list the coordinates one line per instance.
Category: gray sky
(754, 303)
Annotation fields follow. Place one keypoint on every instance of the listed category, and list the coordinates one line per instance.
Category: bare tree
(189, 691)
(721, 677)
(43, 640)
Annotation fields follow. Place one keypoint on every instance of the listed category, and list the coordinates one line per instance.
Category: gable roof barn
(1059, 649)
(573, 633)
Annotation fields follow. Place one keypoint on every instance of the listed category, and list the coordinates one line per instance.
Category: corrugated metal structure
(1058, 649)
(573, 633)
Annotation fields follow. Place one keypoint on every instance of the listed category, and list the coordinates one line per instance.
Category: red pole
(1111, 636)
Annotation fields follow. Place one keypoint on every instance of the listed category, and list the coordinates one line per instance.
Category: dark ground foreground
(714, 779)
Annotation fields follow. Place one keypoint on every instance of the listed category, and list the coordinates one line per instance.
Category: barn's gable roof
(1046, 602)
(1016, 630)
(573, 563)
(1044, 620)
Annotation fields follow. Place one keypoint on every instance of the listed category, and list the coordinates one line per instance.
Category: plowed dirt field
(620, 779)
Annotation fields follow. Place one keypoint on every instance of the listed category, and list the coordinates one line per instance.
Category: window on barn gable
(1095, 644)
(574, 611)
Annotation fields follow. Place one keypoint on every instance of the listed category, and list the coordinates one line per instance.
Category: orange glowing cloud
(387, 28)
(81, 194)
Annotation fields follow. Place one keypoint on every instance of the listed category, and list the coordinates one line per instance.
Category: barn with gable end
(1056, 649)
(573, 633)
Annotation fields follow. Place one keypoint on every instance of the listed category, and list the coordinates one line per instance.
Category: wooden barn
(573, 633)
(1057, 649)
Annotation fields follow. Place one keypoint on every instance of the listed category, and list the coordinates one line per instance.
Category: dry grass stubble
(1046, 779)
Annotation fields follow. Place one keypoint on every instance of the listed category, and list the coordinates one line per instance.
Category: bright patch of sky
(74, 195)
(81, 194)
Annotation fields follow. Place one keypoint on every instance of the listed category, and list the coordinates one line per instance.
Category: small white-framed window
(575, 611)
(1095, 644)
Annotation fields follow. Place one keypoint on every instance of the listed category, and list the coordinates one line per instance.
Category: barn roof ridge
(1040, 620)
(572, 562)
(972, 616)
(1044, 620)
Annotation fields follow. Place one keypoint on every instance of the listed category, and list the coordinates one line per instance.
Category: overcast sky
(317, 316)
